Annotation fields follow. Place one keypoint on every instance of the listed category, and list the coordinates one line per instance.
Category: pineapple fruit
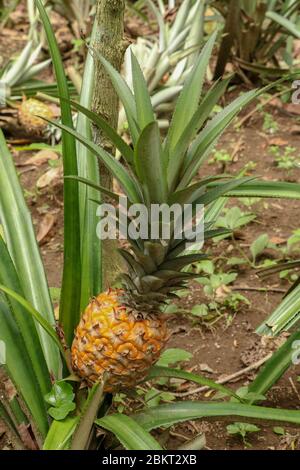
(122, 331)
(28, 115)
(114, 338)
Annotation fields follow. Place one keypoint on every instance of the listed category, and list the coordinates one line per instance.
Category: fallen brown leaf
(41, 157)
(45, 227)
(51, 177)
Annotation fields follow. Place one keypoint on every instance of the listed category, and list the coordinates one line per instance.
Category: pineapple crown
(157, 170)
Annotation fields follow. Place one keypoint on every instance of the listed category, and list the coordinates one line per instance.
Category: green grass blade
(69, 309)
(23, 249)
(131, 435)
(97, 187)
(167, 415)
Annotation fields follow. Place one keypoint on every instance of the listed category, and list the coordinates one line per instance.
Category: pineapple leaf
(159, 371)
(199, 118)
(23, 249)
(188, 100)
(129, 186)
(149, 165)
(208, 137)
(125, 96)
(169, 414)
(25, 323)
(19, 368)
(35, 314)
(221, 189)
(131, 435)
(99, 188)
(69, 309)
(144, 108)
(125, 150)
(181, 262)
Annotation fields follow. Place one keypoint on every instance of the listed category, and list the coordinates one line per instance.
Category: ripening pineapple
(28, 114)
(122, 331)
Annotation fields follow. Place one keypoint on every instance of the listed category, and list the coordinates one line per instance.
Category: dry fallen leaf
(41, 157)
(292, 108)
(45, 226)
(278, 141)
(51, 177)
(278, 240)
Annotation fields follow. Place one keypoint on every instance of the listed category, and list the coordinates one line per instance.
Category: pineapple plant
(17, 73)
(122, 331)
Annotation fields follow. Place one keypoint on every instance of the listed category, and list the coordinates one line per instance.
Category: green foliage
(242, 429)
(61, 399)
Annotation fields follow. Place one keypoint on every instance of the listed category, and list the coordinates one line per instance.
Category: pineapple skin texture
(114, 340)
(28, 112)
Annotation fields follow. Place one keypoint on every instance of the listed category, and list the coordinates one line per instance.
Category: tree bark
(110, 44)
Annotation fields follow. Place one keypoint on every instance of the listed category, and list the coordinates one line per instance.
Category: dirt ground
(230, 344)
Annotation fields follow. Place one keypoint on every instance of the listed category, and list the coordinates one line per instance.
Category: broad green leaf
(167, 415)
(220, 190)
(149, 165)
(69, 309)
(144, 110)
(23, 249)
(88, 168)
(60, 433)
(131, 435)
(171, 356)
(259, 245)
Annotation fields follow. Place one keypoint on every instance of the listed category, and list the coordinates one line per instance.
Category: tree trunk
(111, 44)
